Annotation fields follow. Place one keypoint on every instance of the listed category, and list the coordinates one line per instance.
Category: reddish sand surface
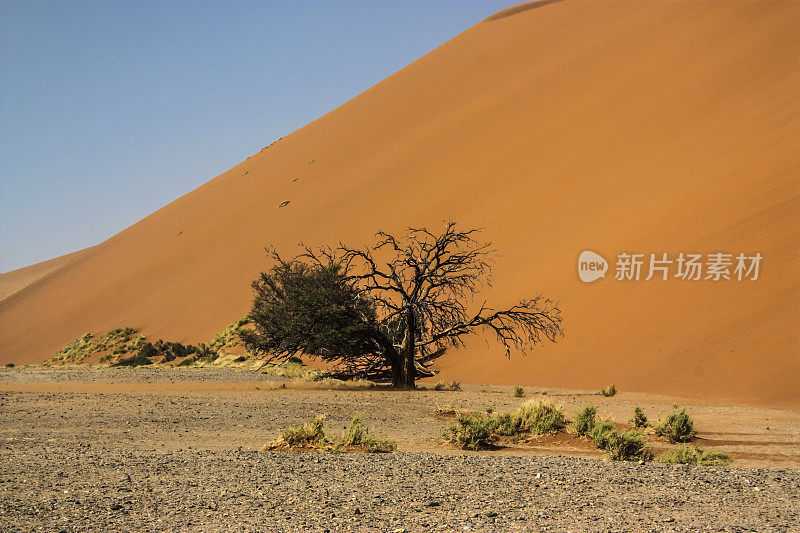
(645, 127)
(16, 280)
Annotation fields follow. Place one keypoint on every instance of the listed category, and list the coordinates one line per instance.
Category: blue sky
(112, 109)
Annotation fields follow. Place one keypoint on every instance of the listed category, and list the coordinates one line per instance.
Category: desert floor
(177, 449)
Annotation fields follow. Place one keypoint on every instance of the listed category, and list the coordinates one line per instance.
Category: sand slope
(16, 280)
(627, 126)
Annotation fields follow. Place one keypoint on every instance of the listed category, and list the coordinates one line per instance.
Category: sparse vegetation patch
(627, 446)
(482, 430)
(294, 369)
(312, 436)
(117, 341)
(449, 385)
(601, 433)
(541, 418)
(639, 419)
(609, 391)
(695, 456)
(677, 427)
(585, 420)
(473, 431)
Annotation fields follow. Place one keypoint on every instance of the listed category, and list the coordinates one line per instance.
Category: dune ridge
(615, 127)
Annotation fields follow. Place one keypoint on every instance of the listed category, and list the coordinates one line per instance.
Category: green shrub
(507, 424)
(357, 435)
(136, 359)
(376, 444)
(194, 355)
(678, 427)
(473, 431)
(697, 456)
(601, 433)
(451, 386)
(309, 435)
(611, 390)
(542, 418)
(519, 392)
(639, 419)
(585, 420)
(627, 446)
(312, 435)
(230, 337)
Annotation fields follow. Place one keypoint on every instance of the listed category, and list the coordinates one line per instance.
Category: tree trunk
(397, 368)
(409, 350)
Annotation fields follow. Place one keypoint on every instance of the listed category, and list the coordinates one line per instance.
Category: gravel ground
(160, 449)
(141, 374)
(58, 488)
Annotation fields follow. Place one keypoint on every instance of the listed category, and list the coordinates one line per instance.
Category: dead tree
(419, 289)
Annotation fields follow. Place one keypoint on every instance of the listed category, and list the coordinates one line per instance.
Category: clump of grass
(376, 444)
(309, 435)
(481, 430)
(312, 435)
(639, 419)
(585, 420)
(449, 385)
(697, 456)
(519, 392)
(230, 338)
(293, 369)
(541, 418)
(473, 431)
(357, 435)
(508, 424)
(677, 427)
(601, 433)
(611, 390)
(627, 446)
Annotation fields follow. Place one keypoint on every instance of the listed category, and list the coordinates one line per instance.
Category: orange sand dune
(16, 280)
(611, 126)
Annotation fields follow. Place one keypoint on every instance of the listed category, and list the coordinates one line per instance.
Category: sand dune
(613, 126)
(14, 281)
